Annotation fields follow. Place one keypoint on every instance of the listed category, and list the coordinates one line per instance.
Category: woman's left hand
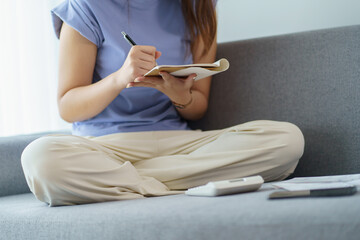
(177, 89)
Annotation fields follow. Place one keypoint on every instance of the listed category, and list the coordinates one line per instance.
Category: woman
(130, 138)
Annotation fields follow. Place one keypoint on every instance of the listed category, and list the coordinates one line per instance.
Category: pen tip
(123, 33)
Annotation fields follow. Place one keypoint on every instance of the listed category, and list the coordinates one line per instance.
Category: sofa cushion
(242, 216)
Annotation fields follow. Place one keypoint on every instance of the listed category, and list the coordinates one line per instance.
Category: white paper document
(324, 182)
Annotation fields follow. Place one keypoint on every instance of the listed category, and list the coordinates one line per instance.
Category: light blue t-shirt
(159, 23)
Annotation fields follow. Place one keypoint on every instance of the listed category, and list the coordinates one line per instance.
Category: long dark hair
(201, 21)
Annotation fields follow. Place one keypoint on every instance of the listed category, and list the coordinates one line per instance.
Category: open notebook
(202, 70)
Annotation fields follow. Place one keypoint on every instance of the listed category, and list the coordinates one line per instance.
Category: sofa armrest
(12, 180)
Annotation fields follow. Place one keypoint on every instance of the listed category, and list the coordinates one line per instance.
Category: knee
(40, 163)
(294, 141)
(289, 147)
(285, 139)
(290, 151)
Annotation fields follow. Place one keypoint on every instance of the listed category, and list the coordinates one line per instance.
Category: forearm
(197, 108)
(85, 102)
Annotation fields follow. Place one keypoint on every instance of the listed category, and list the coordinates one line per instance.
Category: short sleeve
(79, 15)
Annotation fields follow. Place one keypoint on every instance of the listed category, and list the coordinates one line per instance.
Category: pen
(128, 38)
(344, 191)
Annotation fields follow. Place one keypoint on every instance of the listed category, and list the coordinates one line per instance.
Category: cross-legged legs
(65, 169)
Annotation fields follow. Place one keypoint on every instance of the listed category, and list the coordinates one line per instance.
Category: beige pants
(66, 169)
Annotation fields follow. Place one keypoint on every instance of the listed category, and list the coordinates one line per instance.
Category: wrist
(183, 104)
(118, 80)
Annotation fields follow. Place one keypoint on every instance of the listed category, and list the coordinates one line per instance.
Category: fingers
(165, 81)
(150, 51)
(147, 55)
(153, 82)
(192, 77)
(157, 54)
(146, 49)
(140, 60)
(167, 76)
(147, 52)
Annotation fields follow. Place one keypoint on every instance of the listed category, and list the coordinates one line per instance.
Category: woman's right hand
(139, 61)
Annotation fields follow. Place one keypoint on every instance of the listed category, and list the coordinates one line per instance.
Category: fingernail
(139, 79)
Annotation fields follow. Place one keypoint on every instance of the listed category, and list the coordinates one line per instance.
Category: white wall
(245, 19)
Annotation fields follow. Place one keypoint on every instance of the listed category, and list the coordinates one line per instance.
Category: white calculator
(238, 185)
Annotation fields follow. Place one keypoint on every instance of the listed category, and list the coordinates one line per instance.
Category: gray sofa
(310, 79)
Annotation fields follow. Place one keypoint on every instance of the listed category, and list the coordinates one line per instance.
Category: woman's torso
(158, 23)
